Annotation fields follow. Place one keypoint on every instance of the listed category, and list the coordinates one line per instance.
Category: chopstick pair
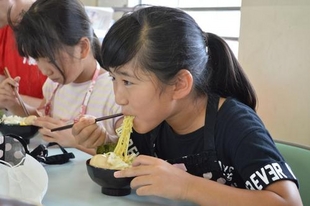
(21, 102)
(96, 120)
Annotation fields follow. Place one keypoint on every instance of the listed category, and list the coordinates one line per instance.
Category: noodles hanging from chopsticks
(121, 148)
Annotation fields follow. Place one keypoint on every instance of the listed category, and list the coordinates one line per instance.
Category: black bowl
(109, 184)
(25, 131)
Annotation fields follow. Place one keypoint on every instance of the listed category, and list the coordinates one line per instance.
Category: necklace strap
(86, 99)
(83, 109)
(48, 105)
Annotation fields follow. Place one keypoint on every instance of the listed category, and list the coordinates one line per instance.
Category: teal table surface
(70, 184)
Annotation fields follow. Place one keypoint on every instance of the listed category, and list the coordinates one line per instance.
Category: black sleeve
(250, 147)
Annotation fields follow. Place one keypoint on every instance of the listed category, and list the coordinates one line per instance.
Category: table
(70, 184)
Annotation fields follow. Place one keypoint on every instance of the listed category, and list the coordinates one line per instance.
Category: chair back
(298, 158)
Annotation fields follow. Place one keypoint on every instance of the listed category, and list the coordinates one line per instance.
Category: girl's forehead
(132, 70)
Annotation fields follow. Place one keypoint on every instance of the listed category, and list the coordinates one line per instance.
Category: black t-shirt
(245, 151)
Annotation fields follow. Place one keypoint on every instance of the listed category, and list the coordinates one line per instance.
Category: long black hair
(165, 40)
(51, 25)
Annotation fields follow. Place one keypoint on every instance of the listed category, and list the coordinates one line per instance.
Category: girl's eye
(127, 82)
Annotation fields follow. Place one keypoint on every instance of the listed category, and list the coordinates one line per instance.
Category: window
(221, 17)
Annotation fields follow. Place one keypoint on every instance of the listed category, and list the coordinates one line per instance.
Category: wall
(89, 2)
(107, 3)
(274, 49)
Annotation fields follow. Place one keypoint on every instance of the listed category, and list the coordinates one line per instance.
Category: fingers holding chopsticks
(10, 84)
(87, 133)
(8, 92)
(64, 137)
(14, 82)
(20, 101)
(84, 122)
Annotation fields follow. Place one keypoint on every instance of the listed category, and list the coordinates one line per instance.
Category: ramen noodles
(121, 148)
(118, 159)
(109, 161)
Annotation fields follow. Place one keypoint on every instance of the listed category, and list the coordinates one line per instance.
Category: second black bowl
(25, 131)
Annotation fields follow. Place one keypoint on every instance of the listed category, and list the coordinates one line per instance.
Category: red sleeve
(31, 78)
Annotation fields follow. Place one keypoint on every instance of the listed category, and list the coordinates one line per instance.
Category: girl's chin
(140, 130)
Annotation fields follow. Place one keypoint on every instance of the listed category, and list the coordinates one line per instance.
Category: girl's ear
(183, 84)
(85, 47)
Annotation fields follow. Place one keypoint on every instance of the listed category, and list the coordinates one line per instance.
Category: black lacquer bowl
(25, 131)
(109, 184)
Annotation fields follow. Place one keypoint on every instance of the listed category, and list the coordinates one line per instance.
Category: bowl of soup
(21, 126)
(101, 168)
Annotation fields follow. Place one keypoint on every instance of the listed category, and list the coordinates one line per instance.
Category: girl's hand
(88, 133)
(7, 94)
(157, 177)
(64, 137)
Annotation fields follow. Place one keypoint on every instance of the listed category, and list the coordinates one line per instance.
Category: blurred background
(271, 39)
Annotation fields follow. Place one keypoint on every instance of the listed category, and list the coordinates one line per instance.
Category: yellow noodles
(118, 159)
(121, 148)
(109, 161)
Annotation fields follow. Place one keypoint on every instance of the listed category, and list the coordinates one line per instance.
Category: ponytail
(225, 75)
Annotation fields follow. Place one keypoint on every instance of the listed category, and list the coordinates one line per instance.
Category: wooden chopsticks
(7, 74)
(96, 120)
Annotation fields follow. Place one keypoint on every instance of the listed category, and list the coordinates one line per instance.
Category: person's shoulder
(235, 107)
(105, 81)
(235, 114)
(49, 84)
(237, 122)
(48, 81)
(105, 76)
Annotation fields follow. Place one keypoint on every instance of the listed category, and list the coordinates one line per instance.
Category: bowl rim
(88, 164)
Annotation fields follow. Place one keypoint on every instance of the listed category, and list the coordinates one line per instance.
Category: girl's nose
(120, 97)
